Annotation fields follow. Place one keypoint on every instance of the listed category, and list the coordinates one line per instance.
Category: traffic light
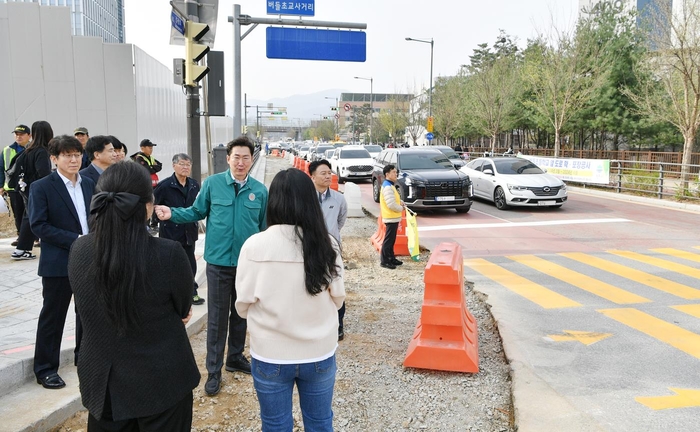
(194, 52)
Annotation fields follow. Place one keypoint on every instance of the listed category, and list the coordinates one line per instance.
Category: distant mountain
(302, 108)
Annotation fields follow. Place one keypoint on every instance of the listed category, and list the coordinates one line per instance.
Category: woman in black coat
(133, 293)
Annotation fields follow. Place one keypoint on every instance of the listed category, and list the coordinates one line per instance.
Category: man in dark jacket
(100, 151)
(145, 158)
(180, 190)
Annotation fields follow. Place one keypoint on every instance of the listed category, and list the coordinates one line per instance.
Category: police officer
(146, 159)
(22, 136)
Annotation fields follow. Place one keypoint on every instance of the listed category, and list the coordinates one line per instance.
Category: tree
(393, 119)
(447, 106)
(416, 115)
(670, 73)
(563, 71)
(492, 87)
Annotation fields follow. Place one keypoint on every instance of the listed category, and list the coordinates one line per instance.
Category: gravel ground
(373, 391)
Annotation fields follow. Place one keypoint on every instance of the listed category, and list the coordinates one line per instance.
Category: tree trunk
(689, 137)
(557, 136)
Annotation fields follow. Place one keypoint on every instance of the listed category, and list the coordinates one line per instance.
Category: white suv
(352, 162)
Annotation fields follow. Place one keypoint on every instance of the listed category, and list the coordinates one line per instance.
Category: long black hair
(121, 239)
(42, 133)
(293, 201)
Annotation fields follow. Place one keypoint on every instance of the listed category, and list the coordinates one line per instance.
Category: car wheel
(463, 209)
(499, 198)
(340, 179)
(375, 190)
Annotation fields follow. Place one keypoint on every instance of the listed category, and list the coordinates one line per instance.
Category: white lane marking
(521, 224)
(489, 215)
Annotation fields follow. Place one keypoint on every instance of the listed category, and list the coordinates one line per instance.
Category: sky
(396, 65)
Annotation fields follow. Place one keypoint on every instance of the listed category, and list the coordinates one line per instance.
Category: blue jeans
(274, 384)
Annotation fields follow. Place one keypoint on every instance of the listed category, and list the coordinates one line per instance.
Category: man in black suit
(100, 152)
(59, 205)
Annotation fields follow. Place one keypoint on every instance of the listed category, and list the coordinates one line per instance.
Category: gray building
(101, 18)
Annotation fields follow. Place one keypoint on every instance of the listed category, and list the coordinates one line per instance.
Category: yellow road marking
(670, 334)
(586, 283)
(683, 398)
(679, 253)
(661, 284)
(693, 310)
(586, 338)
(658, 262)
(534, 292)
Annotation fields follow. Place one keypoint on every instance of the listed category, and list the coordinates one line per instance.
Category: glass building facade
(101, 18)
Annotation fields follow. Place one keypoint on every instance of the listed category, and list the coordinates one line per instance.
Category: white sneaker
(25, 255)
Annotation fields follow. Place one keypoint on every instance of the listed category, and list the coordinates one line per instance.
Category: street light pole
(430, 90)
(371, 104)
(337, 116)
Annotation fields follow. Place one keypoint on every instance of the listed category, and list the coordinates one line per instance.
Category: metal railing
(661, 180)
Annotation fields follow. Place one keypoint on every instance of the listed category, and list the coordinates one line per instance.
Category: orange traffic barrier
(401, 244)
(334, 181)
(296, 162)
(306, 167)
(446, 335)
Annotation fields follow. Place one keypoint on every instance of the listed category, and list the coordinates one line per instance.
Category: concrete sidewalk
(24, 404)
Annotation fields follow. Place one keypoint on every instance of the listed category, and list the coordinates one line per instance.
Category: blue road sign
(429, 136)
(313, 44)
(178, 22)
(300, 8)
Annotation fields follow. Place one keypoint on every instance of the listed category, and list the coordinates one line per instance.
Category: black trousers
(388, 244)
(177, 418)
(17, 204)
(189, 251)
(222, 316)
(26, 236)
(341, 315)
(52, 319)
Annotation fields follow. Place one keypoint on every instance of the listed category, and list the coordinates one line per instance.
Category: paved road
(598, 304)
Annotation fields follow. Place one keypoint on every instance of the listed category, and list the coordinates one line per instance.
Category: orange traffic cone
(401, 244)
(446, 335)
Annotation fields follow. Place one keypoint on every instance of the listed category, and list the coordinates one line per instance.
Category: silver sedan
(513, 181)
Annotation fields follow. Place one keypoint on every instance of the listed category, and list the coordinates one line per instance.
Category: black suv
(427, 179)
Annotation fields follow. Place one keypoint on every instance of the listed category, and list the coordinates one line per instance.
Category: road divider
(401, 244)
(446, 336)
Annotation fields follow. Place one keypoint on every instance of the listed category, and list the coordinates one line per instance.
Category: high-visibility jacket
(8, 153)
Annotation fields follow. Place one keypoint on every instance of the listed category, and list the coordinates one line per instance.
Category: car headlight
(563, 186)
(414, 182)
(516, 188)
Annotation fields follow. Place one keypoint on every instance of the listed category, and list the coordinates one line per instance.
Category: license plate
(546, 203)
(445, 198)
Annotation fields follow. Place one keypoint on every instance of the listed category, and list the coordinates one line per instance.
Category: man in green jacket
(235, 206)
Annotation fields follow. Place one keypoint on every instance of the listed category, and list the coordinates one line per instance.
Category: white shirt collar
(67, 181)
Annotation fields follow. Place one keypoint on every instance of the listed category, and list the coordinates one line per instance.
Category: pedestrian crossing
(638, 289)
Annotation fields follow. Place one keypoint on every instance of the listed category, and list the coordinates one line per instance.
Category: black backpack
(15, 170)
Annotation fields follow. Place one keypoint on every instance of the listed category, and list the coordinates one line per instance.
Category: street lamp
(430, 91)
(337, 115)
(371, 104)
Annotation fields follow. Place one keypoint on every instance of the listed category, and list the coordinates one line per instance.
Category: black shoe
(213, 384)
(14, 243)
(388, 266)
(197, 300)
(239, 363)
(37, 244)
(396, 262)
(341, 333)
(51, 382)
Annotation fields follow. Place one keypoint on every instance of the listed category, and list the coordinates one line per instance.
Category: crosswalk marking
(658, 262)
(663, 331)
(586, 283)
(693, 310)
(679, 254)
(661, 284)
(534, 292)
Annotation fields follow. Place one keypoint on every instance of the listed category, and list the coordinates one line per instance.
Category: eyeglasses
(72, 156)
(184, 165)
(241, 158)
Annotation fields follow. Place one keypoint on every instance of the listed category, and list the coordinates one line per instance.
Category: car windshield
(414, 161)
(322, 149)
(516, 166)
(304, 148)
(450, 153)
(355, 154)
(373, 148)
